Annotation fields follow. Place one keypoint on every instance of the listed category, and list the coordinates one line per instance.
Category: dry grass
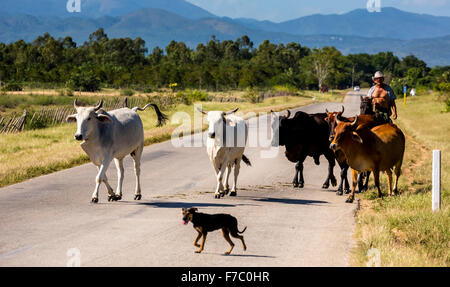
(403, 228)
(34, 153)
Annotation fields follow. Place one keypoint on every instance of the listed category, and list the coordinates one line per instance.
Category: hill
(99, 8)
(390, 23)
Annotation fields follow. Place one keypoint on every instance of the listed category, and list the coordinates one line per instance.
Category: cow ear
(356, 137)
(71, 118)
(104, 118)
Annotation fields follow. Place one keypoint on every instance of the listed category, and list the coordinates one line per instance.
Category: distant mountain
(390, 23)
(99, 8)
(158, 27)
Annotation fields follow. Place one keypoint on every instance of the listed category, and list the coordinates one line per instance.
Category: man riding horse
(383, 99)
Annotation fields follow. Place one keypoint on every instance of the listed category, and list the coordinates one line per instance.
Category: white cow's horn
(99, 106)
(355, 122)
(231, 112)
(201, 110)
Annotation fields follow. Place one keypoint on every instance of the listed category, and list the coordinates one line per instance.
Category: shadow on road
(290, 201)
(249, 255)
(184, 204)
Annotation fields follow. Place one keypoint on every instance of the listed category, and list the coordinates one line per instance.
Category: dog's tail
(240, 232)
(246, 160)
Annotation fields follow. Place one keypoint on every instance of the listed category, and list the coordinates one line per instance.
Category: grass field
(403, 228)
(38, 152)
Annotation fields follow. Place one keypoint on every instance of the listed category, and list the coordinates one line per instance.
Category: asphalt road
(46, 221)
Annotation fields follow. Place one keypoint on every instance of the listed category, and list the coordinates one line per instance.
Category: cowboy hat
(378, 74)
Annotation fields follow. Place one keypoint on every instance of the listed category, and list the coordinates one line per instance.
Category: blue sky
(281, 10)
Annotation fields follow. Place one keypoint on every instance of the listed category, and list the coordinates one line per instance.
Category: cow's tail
(162, 118)
(240, 232)
(246, 160)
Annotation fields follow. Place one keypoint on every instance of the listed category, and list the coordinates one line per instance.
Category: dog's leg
(236, 235)
(226, 235)
(197, 239)
(202, 245)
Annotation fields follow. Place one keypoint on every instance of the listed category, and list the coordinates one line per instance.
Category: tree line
(217, 65)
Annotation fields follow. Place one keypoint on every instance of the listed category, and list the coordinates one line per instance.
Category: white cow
(112, 135)
(227, 137)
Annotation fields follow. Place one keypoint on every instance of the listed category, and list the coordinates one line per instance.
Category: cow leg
(298, 166)
(397, 171)
(347, 185)
(299, 172)
(331, 163)
(108, 186)
(344, 169)
(100, 178)
(219, 189)
(120, 176)
(363, 182)
(237, 167)
(376, 176)
(366, 184)
(360, 181)
(354, 183)
(227, 176)
(389, 177)
(136, 155)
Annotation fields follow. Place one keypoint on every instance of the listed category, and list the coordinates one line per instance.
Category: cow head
(343, 132)
(331, 120)
(87, 119)
(279, 126)
(217, 122)
(366, 107)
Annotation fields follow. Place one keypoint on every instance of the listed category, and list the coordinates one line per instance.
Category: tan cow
(376, 149)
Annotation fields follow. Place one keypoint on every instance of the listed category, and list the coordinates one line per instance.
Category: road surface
(49, 221)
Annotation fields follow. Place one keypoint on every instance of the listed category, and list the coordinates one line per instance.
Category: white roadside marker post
(436, 193)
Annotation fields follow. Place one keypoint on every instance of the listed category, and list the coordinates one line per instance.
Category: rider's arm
(394, 110)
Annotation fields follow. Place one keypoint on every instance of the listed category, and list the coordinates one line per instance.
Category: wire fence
(48, 117)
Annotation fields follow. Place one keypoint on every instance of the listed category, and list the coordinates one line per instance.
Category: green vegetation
(403, 228)
(218, 65)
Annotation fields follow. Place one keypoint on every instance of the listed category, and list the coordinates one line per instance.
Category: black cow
(304, 135)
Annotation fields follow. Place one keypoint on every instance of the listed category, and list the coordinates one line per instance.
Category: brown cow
(376, 149)
(363, 120)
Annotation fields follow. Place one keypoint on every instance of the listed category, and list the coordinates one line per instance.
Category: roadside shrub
(198, 96)
(182, 97)
(447, 105)
(252, 96)
(12, 87)
(286, 88)
(69, 93)
(127, 93)
(147, 90)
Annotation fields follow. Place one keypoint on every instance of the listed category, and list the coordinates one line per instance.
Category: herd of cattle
(361, 143)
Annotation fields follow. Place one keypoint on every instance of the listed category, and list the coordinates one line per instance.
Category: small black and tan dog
(205, 223)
